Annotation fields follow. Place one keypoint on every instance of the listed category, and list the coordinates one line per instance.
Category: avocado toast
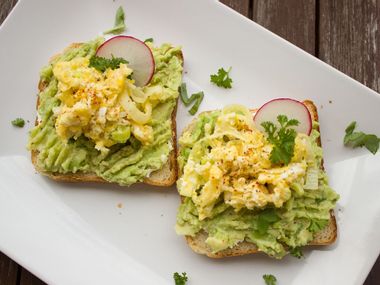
(233, 209)
(122, 150)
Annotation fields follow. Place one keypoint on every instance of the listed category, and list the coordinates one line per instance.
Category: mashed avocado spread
(232, 191)
(123, 134)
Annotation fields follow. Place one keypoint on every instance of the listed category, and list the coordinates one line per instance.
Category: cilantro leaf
(372, 143)
(101, 63)
(196, 97)
(222, 79)
(180, 279)
(269, 279)
(360, 139)
(18, 122)
(150, 40)
(296, 252)
(283, 139)
(350, 128)
(119, 26)
(265, 219)
(317, 225)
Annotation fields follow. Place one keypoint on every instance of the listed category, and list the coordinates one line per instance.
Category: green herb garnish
(222, 79)
(269, 279)
(317, 225)
(360, 139)
(265, 219)
(198, 100)
(296, 252)
(283, 140)
(119, 26)
(196, 97)
(148, 40)
(18, 122)
(180, 279)
(101, 63)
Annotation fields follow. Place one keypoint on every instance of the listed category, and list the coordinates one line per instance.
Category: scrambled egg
(233, 163)
(104, 107)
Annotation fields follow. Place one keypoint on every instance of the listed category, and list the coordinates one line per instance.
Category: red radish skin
(292, 108)
(136, 52)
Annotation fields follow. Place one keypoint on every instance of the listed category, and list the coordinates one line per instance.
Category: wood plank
(349, 38)
(28, 278)
(241, 6)
(8, 270)
(374, 276)
(293, 20)
(5, 7)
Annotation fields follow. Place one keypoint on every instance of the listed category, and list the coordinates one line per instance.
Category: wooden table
(342, 33)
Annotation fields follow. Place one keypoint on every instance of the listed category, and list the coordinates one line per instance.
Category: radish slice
(136, 52)
(293, 109)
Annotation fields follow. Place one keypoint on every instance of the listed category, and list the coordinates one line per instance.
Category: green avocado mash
(127, 162)
(273, 230)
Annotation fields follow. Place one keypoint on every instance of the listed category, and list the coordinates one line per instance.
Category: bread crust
(166, 176)
(325, 237)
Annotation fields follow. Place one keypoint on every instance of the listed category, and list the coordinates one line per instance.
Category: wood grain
(293, 20)
(27, 278)
(8, 270)
(5, 7)
(241, 6)
(349, 38)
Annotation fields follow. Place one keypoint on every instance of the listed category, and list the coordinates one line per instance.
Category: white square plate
(104, 234)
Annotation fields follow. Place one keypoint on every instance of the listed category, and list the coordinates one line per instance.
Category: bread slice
(166, 176)
(325, 237)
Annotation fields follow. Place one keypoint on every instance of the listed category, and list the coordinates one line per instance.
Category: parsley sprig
(360, 139)
(283, 139)
(119, 26)
(269, 279)
(222, 79)
(196, 97)
(180, 279)
(101, 63)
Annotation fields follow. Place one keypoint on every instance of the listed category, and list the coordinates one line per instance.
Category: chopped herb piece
(222, 79)
(183, 95)
(180, 279)
(18, 122)
(197, 98)
(269, 279)
(150, 40)
(351, 127)
(265, 219)
(360, 139)
(317, 225)
(283, 140)
(296, 252)
(119, 26)
(101, 63)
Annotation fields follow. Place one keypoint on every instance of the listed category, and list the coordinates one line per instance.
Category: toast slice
(325, 237)
(166, 176)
